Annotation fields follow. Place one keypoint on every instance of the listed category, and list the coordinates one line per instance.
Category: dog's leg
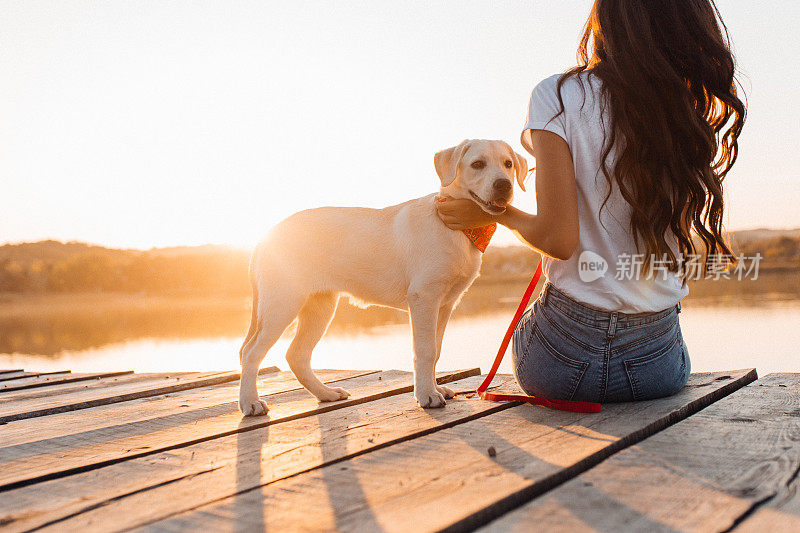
(441, 323)
(274, 314)
(424, 312)
(313, 320)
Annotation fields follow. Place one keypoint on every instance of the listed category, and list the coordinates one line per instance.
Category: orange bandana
(480, 237)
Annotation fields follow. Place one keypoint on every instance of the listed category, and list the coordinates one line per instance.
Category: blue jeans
(566, 350)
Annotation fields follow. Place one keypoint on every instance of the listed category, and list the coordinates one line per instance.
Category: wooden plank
(36, 461)
(781, 512)
(15, 374)
(100, 382)
(202, 472)
(450, 480)
(52, 391)
(205, 401)
(115, 433)
(11, 370)
(54, 378)
(777, 515)
(29, 404)
(736, 461)
(21, 374)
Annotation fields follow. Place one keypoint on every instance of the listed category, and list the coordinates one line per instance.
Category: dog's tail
(254, 314)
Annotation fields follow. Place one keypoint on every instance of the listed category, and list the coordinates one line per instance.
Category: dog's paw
(447, 392)
(332, 394)
(431, 399)
(255, 407)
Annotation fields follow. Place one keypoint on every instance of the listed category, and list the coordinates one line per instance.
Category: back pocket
(659, 374)
(544, 371)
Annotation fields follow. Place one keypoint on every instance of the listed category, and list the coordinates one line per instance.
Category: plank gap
(527, 494)
(453, 376)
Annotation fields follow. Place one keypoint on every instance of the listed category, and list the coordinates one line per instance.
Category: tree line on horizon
(57, 267)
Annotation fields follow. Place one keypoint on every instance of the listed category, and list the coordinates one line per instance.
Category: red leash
(480, 237)
(564, 405)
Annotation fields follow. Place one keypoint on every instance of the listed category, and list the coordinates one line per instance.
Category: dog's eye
(509, 164)
(477, 165)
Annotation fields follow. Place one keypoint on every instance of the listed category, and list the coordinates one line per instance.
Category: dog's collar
(480, 237)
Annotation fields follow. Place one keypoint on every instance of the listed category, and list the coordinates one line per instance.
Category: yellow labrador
(402, 256)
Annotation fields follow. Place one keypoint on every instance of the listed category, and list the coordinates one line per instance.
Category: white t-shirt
(602, 272)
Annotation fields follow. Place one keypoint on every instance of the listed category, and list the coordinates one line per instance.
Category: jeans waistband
(598, 318)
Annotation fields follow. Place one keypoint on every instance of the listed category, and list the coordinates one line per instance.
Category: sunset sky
(141, 124)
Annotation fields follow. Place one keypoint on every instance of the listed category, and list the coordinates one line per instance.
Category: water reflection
(50, 325)
(719, 338)
(86, 324)
(106, 333)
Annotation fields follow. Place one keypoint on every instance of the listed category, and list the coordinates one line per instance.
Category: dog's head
(483, 171)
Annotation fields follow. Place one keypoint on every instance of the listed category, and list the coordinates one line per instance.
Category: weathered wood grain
(11, 370)
(169, 423)
(36, 461)
(104, 391)
(159, 484)
(735, 461)
(51, 391)
(781, 513)
(204, 401)
(53, 378)
(450, 479)
(14, 375)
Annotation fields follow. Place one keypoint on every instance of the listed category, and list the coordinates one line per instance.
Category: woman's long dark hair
(668, 80)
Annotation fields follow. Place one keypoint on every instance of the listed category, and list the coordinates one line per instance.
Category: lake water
(766, 337)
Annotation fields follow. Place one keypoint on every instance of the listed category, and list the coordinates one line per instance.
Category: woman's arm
(554, 228)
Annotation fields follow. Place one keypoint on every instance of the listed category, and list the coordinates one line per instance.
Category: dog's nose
(502, 186)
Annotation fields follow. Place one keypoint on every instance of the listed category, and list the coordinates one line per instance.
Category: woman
(631, 149)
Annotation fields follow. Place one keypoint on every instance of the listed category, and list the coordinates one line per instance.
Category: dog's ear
(447, 161)
(521, 169)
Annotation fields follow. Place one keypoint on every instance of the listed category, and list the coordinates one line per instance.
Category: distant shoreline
(780, 283)
(51, 267)
(49, 323)
(780, 278)
(56, 296)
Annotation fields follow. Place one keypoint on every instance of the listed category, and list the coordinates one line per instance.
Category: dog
(401, 256)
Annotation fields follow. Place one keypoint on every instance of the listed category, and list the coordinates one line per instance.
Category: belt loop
(612, 325)
(545, 292)
(679, 308)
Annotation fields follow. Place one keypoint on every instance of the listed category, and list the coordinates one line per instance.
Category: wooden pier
(170, 452)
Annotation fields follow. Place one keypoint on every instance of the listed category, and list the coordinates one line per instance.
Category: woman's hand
(461, 214)
(554, 229)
